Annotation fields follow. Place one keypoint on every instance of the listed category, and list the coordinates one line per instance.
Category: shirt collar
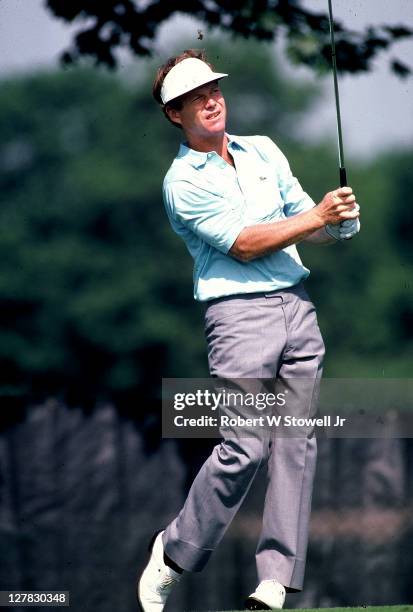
(199, 158)
(236, 142)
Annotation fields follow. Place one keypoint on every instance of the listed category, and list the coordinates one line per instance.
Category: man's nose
(210, 102)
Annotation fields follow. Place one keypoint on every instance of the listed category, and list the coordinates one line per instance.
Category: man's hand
(337, 206)
(339, 211)
(346, 229)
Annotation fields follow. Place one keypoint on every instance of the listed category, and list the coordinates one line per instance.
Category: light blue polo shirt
(209, 203)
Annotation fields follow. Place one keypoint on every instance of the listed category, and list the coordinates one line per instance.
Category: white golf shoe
(269, 595)
(157, 579)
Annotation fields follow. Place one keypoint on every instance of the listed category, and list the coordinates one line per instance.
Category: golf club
(343, 176)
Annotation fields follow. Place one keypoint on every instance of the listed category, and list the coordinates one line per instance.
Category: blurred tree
(82, 285)
(115, 24)
(364, 293)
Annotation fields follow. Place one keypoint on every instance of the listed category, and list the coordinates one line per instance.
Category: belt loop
(274, 295)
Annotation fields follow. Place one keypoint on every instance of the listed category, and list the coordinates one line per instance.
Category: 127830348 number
(34, 598)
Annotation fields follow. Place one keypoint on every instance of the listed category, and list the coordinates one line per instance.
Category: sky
(377, 108)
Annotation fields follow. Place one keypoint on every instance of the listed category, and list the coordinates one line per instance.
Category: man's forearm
(320, 237)
(258, 240)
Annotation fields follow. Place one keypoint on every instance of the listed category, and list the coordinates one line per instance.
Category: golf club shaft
(343, 176)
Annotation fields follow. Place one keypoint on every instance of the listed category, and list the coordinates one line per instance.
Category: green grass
(404, 608)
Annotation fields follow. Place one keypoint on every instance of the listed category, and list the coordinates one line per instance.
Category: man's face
(203, 112)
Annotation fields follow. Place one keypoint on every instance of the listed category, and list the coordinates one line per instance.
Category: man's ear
(173, 114)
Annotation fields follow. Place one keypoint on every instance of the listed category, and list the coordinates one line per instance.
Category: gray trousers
(256, 336)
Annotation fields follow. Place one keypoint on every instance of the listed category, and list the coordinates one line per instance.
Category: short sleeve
(208, 215)
(296, 200)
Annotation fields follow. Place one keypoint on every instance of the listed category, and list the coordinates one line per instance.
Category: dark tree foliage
(109, 25)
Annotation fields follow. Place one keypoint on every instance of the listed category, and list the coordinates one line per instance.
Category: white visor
(186, 76)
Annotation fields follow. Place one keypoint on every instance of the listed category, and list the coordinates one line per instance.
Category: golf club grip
(343, 182)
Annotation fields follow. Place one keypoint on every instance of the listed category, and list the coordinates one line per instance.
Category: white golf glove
(346, 229)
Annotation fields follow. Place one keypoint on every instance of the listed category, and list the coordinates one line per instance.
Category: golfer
(240, 211)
